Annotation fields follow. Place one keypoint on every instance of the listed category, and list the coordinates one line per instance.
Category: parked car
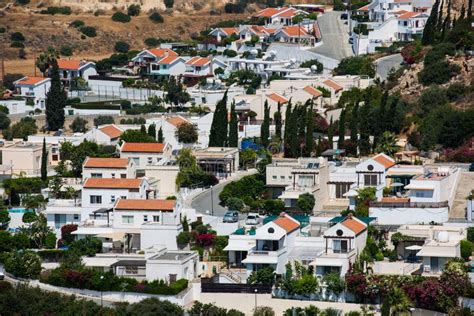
(471, 167)
(344, 16)
(231, 217)
(252, 219)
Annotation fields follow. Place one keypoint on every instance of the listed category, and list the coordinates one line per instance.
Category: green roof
(366, 220)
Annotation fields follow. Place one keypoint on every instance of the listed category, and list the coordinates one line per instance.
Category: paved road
(335, 36)
(385, 64)
(203, 202)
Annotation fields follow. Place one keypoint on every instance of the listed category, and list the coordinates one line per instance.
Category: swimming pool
(18, 210)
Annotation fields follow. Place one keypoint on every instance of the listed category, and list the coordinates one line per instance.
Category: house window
(341, 189)
(96, 199)
(282, 177)
(145, 218)
(370, 180)
(123, 176)
(112, 198)
(127, 219)
(131, 270)
(76, 217)
(274, 177)
(112, 175)
(150, 160)
(156, 218)
(123, 197)
(340, 246)
(96, 175)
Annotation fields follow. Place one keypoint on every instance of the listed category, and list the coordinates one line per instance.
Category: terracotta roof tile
(167, 60)
(229, 30)
(176, 120)
(198, 61)
(121, 163)
(145, 205)
(287, 223)
(161, 52)
(277, 98)
(395, 200)
(104, 183)
(295, 30)
(408, 15)
(364, 8)
(69, 64)
(143, 147)
(31, 80)
(112, 131)
(313, 91)
(332, 84)
(353, 224)
(269, 12)
(384, 160)
(288, 13)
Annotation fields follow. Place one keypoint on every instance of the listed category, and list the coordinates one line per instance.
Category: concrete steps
(465, 185)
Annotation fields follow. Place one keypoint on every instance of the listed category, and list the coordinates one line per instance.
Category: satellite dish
(314, 67)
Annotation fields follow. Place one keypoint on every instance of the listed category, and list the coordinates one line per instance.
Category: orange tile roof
(395, 200)
(313, 91)
(69, 64)
(401, 12)
(198, 61)
(277, 98)
(143, 147)
(229, 30)
(161, 52)
(295, 30)
(269, 12)
(408, 15)
(167, 60)
(112, 131)
(121, 163)
(402, 1)
(145, 205)
(176, 120)
(353, 224)
(386, 162)
(31, 80)
(332, 84)
(288, 13)
(364, 8)
(287, 223)
(104, 183)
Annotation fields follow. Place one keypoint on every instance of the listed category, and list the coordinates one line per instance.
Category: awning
(239, 245)
(412, 186)
(414, 247)
(114, 236)
(261, 259)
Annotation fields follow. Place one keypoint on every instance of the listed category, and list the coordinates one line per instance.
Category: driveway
(385, 64)
(335, 36)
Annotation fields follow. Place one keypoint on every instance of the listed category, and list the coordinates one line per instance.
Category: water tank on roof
(254, 52)
(314, 68)
(443, 236)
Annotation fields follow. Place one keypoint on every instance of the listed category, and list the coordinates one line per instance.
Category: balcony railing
(270, 253)
(409, 204)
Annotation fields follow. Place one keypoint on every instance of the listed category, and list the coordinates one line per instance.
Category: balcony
(264, 256)
(409, 204)
(30, 94)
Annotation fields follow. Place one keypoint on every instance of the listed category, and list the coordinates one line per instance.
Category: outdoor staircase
(231, 276)
(464, 187)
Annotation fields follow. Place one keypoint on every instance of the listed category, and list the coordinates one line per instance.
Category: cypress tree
(265, 127)
(353, 125)
(430, 27)
(143, 129)
(233, 127)
(331, 134)
(469, 11)
(44, 162)
(160, 139)
(294, 141)
(278, 121)
(152, 130)
(341, 129)
(319, 147)
(55, 100)
(309, 130)
(286, 135)
(364, 128)
(302, 118)
(218, 134)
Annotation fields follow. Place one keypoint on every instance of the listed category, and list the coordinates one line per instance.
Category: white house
(109, 168)
(198, 67)
(278, 16)
(104, 135)
(172, 265)
(170, 65)
(70, 69)
(145, 154)
(296, 34)
(223, 32)
(148, 62)
(34, 89)
(103, 193)
(437, 252)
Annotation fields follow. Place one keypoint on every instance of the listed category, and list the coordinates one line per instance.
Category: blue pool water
(18, 210)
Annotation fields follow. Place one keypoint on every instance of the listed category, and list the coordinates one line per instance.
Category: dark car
(471, 167)
(231, 217)
(344, 16)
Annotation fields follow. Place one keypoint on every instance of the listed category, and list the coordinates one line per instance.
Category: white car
(252, 219)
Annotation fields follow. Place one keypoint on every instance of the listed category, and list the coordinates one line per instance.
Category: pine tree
(278, 122)
(143, 129)
(160, 138)
(309, 130)
(233, 128)
(265, 127)
(55, 101)
(44, 162)
(286, 135)
(341, 129)
(331, 134)
(430, 27)
(218, 134)
(152, 130)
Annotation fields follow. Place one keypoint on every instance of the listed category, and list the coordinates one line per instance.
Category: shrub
(57, 10)
(183, 238)
(121, 47)
(121, 17)
(263, 311)
(133, 10)
(88, 31)
(2, 29)
(66, 50)
(456, 91)
(314, 62)
(169, 4)
(77, 23)
(229, 53)
(23, 264)
(438, 73)
(17, 44)
(359, 65)
(103, 119)
(79, 125)
(17, 37)
(22, 2)
(151, 42)
(467, 248)
(156, 17)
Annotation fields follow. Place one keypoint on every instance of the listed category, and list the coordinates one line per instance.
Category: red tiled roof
(288, 13)
(364, 8)
(295, 30)
(176, 120)
(121, 163)
(143, 147)
(167, 60)
(198, 61)
(277, 98)
(400, 12)
(269, 12)
(112, 131)
(161, 52)
(145, 205)
(395, 200)
(386, 162)
(31, 80)
(229, 30)
(103, 183)
(408, 15)
(353, 224)
(313, 91)
(332, 84)
(69, 64)
(287, 223)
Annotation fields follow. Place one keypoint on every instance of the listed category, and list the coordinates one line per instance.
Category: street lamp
(101, 301)
(212, 201)
(255, 299)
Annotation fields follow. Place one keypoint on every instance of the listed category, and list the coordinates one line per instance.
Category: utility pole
(3, 68)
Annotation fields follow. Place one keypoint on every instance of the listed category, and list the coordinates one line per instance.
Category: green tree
(292, 132)
(187, 133)
(306, 285)
(274, 207)
(467, 248)
(341, 129)
(22, 129)
(56, 99)
(44, 161)
(176, 94)
(288, 130)
(23, 264)
(363, 199)
(264, 276)
(218, 134)
(309, 131)
(359, 65)
(46, 59)
(4, 219)
(79, 125)
(233, 127)
(133, 10)
(4, 121)
(265, 127)
(152, 131)
(136, 136)
(429, 32)
(278, 122)
(306, 202)
(331, 133)
(121, 47)
(103, 120)
(169, 4)
(234, 203)
(388, 144)
(160, 138)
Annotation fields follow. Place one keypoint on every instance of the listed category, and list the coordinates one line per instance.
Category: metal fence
(106, 93)
(210, 285)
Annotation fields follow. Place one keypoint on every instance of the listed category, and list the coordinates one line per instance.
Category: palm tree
(388, 144)
(45, 59)
(399, 302)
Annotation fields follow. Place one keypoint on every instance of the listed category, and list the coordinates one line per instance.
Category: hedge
(96, 106)
(57, 10)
